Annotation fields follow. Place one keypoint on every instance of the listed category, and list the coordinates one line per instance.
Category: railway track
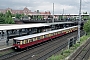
(41, 52)
(82, 53)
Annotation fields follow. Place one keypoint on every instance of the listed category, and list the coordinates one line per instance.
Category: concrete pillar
(7, 35)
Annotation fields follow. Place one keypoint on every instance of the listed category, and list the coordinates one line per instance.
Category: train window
(44, 36)
(51, 34)
(47, 35)
(55, 33)
(26, 41)
(34, 39)
(63, 31)
(38, 38)
(20, 42)
(30, 40)
(60, 32)
(41, 37)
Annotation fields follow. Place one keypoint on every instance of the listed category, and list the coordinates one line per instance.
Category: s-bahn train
(29, 40)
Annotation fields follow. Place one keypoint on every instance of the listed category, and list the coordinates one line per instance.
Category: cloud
(69, 6)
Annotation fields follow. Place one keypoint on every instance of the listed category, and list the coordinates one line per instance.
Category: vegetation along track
(82, 53)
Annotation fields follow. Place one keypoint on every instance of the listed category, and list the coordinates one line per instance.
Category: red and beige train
(29, 40)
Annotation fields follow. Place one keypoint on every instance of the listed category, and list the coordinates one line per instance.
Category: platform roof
(20, 26)
(17, 26)
(58, 23)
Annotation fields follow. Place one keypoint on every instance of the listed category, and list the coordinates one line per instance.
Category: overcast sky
(69, 6)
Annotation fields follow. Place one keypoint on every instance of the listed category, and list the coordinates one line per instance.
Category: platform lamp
(79, 22)
(53, 14)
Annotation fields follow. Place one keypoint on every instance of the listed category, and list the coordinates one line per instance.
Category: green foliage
(60, 17)
(2, 20)
(87, 27)
(40, 17)
(8, 13)
(1, 14)
(9, 20)
(19, 15)
(6, 18)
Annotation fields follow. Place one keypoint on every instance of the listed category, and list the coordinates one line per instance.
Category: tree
(1, 15)
(8, 13)
(19, 15)
(2, 20)
(87, 27)
(9, 20)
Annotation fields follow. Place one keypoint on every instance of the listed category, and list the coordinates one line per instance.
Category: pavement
(4, 46)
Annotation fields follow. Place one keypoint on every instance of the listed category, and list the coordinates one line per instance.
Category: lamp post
(53, 14)
(63, 15)
(79, 23)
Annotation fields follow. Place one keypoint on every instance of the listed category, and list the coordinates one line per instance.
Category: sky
(68, 6)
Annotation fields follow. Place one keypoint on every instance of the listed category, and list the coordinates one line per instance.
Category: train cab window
(17, 42)
(14, 41)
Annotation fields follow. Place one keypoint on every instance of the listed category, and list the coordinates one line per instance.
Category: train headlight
(15, 47)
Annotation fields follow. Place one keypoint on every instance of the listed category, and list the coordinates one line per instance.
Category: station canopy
(59, 23)
(20, 26)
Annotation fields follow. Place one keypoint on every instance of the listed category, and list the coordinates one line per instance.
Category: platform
(4, 46)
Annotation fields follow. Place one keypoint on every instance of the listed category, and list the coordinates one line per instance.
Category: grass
(67, 52)
(5, 52)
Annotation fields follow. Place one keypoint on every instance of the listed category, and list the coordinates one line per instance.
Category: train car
(29, 40)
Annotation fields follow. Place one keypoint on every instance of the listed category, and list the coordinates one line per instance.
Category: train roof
(39, 34)
(59, 23)
(20, 26)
